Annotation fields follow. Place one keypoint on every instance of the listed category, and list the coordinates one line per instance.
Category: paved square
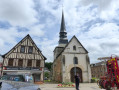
(82, 86)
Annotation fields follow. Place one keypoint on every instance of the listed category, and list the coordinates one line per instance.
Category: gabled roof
(29, 37)
(68, 44)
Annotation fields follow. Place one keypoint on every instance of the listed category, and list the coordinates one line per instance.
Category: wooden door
(72, 74)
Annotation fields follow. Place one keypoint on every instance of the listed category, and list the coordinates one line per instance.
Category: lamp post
(74, 65)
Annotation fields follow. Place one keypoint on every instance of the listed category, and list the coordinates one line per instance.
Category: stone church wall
(57, 70)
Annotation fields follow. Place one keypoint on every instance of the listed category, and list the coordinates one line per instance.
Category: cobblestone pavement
(83, 86)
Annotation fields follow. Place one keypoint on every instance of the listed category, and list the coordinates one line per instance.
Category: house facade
(24, 59)
(70, 58)
(98, 69)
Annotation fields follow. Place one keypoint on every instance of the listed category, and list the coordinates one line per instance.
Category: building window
(63, 60)
(20, 62)
(10, 63)
(30, 49)
(74, 48)
(38, 63)
(29, 64)
(22, 49)
(75, 60)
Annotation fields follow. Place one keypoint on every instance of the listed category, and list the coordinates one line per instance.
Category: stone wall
(98, 71)
(57, 70)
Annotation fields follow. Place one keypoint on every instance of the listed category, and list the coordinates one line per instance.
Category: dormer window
(22, 49)
(74, 48)
(30, 49)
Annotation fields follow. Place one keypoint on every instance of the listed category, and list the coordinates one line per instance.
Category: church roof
(28, 36)
(68, 44)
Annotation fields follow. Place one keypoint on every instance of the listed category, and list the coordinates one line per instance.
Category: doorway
(72, 73)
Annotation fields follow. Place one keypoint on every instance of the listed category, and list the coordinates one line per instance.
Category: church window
(20, 62)
(74, 48)
(22, 49)
(30, 49)
(29, 64)
(63, 60)
(10, 63)
(75, 60)
(38, 63)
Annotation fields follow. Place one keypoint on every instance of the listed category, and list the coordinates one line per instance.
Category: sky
(94, 22)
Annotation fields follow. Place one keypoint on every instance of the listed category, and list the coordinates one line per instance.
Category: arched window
(75, 60)
(74, 48)
(63, 60)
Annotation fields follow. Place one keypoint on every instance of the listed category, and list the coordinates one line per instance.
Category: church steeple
(63, 34)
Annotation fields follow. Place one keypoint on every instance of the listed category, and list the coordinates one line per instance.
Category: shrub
(93, 80)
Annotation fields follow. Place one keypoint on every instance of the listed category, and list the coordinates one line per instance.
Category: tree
(47, 74)
(48, 65)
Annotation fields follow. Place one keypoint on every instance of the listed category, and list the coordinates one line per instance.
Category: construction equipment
(111, 78)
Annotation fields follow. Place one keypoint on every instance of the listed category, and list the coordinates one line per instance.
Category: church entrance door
(72, 73)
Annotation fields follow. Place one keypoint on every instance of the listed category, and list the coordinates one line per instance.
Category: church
(70, 58)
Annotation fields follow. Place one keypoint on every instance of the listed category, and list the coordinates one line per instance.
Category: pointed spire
(62, 28)
(63, 34)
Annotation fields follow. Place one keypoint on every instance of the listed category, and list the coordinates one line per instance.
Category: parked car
(13, 78)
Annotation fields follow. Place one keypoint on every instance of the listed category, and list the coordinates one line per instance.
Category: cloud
(107, 8)
(101, 40)
(94, 22)
(18, 12)
(37, 30)
(47, 46)
(103, 30)
(9, 37)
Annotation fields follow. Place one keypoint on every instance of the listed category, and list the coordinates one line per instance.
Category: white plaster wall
(79, 48)
(85, 76)
(81, 60)
(89, 72)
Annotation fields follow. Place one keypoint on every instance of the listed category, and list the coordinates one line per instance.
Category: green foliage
(93, 80)
(67, 83)
(48, 65)
(47, 74)
(47, 80)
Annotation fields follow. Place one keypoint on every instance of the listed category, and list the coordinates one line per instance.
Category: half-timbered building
(25, 59)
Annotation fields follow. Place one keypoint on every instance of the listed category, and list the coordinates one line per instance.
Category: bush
(47, 75)
(93, 80)
(66, 83)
